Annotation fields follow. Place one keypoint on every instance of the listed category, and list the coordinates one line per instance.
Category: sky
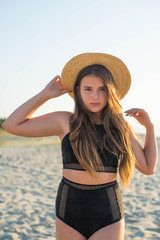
(38, 37)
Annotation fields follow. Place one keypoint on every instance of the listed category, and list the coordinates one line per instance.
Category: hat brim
(117, 68)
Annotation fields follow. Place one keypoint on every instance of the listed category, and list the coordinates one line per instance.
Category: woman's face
(93, 93)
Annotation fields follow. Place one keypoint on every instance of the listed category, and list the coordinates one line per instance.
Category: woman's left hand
(140, 115)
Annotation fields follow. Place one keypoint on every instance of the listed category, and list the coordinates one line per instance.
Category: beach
(30, 172)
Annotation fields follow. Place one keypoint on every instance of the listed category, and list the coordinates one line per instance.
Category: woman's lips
(95, 104)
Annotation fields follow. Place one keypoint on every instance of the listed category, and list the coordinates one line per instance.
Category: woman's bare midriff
(83, 177)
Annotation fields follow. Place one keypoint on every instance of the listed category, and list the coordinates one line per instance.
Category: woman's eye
(87, 89)
(102, 89)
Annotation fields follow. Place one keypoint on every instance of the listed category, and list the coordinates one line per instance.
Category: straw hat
(117, 68)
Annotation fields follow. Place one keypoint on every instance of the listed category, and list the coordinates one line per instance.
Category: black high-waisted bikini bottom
(88, 208)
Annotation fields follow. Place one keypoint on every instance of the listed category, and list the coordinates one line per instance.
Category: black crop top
(109, 160)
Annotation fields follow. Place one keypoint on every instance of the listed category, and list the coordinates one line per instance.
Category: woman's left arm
(146, 156)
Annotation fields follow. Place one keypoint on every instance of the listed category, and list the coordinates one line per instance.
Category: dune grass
(7, 139)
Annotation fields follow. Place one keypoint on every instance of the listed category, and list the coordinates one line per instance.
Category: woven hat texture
(117, 68)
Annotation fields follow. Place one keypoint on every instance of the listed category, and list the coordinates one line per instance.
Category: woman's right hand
(54, 88)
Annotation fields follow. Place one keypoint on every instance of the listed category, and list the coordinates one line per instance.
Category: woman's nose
(95, 94)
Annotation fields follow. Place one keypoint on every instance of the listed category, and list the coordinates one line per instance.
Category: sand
(30, 171)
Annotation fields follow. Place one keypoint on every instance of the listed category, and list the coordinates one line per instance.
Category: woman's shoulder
(65, 114)
(63, 117)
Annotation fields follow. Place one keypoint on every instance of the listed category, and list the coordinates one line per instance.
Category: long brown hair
(83, 135)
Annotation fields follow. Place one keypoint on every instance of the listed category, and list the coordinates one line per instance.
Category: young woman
(96, 141)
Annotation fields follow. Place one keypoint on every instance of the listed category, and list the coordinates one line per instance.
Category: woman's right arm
(20, 121)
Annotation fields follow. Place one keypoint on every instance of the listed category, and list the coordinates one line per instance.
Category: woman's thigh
(114, 231)
(65, 232)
